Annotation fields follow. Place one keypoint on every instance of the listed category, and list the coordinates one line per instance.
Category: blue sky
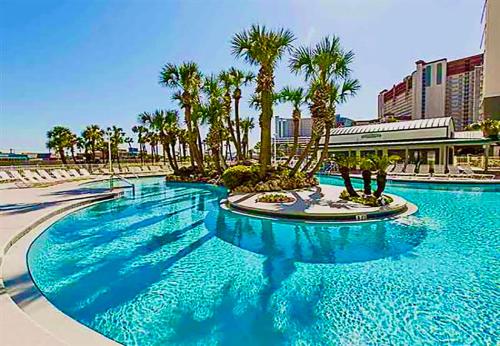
(79, 62)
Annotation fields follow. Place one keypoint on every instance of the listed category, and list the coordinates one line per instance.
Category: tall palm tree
(262, 47)
(239, 79)
(338, 94)
(326, 67)
(186, 80)
(297, 97)
(59, 139)
(227, 83)
(212, 114)
(94, 135)
(141, 132)
(117, 137)
(247, 124)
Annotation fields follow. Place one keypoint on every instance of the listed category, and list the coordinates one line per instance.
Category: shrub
(236, 176)
(275, 198)
(371, 200)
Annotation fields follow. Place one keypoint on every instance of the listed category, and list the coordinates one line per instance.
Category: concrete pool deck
(321, 203)
(26, 317)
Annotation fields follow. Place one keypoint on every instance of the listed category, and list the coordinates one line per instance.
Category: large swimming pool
(170, 267)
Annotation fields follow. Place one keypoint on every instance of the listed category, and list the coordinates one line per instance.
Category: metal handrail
(114, 175)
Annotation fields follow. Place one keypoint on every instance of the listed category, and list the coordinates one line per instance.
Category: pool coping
(247, 203)
(58, 328)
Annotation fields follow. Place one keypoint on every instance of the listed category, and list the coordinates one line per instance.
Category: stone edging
(49, 318)
(349, 217)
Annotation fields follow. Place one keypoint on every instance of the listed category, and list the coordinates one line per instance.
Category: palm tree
(264, 48)
(117, 137)
(247, 125)
(72, 143)
(239, 78)
(345, 164)
(59, 138)
(227, 82)
(186, 80)
(366, 165)
(213, 113)
(183, 141)
(93, 134)
(141, 132)
(326, 67)
(338, 94)
(380, 163)
(297, 97)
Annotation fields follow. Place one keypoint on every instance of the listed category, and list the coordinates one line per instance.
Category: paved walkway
(19, 210)
(322, 202)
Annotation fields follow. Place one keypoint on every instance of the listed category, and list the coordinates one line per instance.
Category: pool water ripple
(170, 267)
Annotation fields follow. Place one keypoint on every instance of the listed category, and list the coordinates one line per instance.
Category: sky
(80, 62)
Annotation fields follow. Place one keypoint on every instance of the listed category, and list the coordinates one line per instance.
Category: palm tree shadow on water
(284, 245)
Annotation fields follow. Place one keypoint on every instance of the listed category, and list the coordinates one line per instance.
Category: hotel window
(428, 76)
(439, 77)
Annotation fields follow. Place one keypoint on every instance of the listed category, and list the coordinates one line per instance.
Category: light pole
(109, 160)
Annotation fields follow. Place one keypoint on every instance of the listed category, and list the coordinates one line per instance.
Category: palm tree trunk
(73, 155)
(174, 157)
(200, 143)
(324, 153)
(314, 154)
(265, 131)
(238, 130)
(302, 156)
(166, 151)
(344, 172)
(63, 157)
(367, 181)
(215, 157)
(193, 149)
(296, 122)
(381, 182)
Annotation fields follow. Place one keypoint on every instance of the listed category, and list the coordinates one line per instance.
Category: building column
(445, 158)
(406, 155)
(385, 152)
(486, 156)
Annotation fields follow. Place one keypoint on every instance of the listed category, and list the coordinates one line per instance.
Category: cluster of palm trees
(213, 100)
(92, 139)
(326, 68)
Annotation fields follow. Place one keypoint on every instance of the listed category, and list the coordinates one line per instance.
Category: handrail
(111, 177)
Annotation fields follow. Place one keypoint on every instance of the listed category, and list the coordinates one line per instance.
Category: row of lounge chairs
(30, 177)
(27, 177)
(135, 170)
(438, 171)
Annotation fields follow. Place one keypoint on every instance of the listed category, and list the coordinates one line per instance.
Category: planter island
(319, 203)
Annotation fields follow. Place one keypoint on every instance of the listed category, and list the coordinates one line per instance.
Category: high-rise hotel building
(437, 89)
(491, 44)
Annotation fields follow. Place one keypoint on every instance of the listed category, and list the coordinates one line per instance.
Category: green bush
(236, 176)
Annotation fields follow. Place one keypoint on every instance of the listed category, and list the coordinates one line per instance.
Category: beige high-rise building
(491, 90)
(436, 89)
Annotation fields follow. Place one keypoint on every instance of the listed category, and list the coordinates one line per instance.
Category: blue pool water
(170, 267)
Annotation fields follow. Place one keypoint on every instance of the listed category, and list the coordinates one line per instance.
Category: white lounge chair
(35, 176)
(439, 171)
(409, 170)
(45, 175)
(26, 180)
(135, 169)
(155, 168)
(74, 173)
(453, 171)
(58, 175)
(468, 171)
(84, 172)
(4, 176)
(65, 174)
(398, 169)
(424, 171)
